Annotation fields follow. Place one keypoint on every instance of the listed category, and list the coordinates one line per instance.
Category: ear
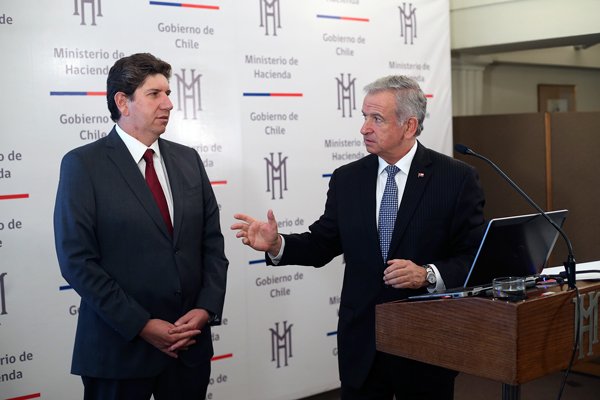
(122, 103)
(411, 128)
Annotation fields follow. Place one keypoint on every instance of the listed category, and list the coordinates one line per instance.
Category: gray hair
(410, 99)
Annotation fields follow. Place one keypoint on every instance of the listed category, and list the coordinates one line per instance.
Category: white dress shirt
(137, 150)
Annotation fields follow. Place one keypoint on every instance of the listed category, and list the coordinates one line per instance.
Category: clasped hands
(172, 338)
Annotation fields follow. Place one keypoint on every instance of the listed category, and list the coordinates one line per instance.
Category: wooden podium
(512, 343)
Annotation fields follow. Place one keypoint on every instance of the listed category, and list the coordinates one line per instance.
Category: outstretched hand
(260, 235)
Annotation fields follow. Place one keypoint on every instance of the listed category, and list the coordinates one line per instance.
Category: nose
(366, 127)
(167, 104)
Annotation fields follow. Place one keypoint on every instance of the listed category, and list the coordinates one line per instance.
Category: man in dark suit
(402, 232)
(138, 237)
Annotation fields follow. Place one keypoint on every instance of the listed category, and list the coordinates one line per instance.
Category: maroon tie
(156, 189)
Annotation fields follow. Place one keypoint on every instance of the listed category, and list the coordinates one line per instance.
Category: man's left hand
(404, 274)
(190, 325)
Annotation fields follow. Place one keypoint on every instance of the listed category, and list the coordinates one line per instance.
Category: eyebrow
(158, 90)
(375, 113)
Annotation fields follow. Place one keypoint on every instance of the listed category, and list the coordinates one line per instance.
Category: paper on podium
(592, 265)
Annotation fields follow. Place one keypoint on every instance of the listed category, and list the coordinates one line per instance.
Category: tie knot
(148, 156)
(392, 170)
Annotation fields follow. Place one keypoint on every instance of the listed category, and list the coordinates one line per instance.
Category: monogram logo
(346, 94)
(80, 4)
(281, 344)
(188, 93)
(269, 12)
(589, 314)
(408, 22)
(276, 175)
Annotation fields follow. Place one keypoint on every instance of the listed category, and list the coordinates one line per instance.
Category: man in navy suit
(138, 237)
(433, 215)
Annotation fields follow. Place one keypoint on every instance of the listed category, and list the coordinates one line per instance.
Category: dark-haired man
(138, 237)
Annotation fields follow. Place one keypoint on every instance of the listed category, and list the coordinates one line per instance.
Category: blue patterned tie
(388, 210)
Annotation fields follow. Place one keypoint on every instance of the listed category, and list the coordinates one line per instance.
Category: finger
(187, 346)
(271, 217)
(180, 326)
(181, 344)
(181, 321)
(393, 271)
(238, 226)
(170, 353)
(243, 217)
(184, 331)
(389, 280)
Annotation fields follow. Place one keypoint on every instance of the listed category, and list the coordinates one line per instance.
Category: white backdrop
(269, 93)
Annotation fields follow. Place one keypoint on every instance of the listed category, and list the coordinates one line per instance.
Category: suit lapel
(368, 198)
(417, 180)
(175, 180)
(121, 157)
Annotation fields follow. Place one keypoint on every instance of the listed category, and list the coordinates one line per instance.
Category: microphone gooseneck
(570, 263)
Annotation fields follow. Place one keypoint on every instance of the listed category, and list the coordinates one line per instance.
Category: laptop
(511, 246)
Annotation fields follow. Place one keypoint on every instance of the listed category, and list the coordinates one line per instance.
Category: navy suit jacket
(439, 222)
(115, 251)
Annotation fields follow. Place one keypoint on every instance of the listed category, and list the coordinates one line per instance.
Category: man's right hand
(260, 235)
(156, 332)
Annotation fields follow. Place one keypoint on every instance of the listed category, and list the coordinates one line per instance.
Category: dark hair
(410, 99)
(128, 74)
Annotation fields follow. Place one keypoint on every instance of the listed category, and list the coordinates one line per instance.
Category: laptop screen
(514, 246)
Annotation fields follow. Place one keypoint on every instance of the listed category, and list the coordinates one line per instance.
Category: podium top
(512, 343)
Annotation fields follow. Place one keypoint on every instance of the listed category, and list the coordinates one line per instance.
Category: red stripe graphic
(286, 94)
(218, 182)
(354, 19)
(199, 6)
(14, 196)
(216, 358)
(27, 396)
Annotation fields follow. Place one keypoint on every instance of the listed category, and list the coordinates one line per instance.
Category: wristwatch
(430, 278)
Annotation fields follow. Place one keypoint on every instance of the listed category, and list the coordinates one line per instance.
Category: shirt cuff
(275, 260)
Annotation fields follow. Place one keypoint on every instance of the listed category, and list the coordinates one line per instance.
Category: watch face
(430, 276)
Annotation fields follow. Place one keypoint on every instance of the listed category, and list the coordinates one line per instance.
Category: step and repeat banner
(269, 93)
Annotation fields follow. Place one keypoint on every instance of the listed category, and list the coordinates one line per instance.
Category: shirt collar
(135, 147)
(403, 164)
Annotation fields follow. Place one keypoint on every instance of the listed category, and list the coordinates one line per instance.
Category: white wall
(502, 49)
(484, 23)
(511, 89)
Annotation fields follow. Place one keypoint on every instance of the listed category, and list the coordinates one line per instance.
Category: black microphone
(570, 263)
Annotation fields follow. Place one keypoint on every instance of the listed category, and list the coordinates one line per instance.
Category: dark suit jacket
(115, 251)
(439, 222)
